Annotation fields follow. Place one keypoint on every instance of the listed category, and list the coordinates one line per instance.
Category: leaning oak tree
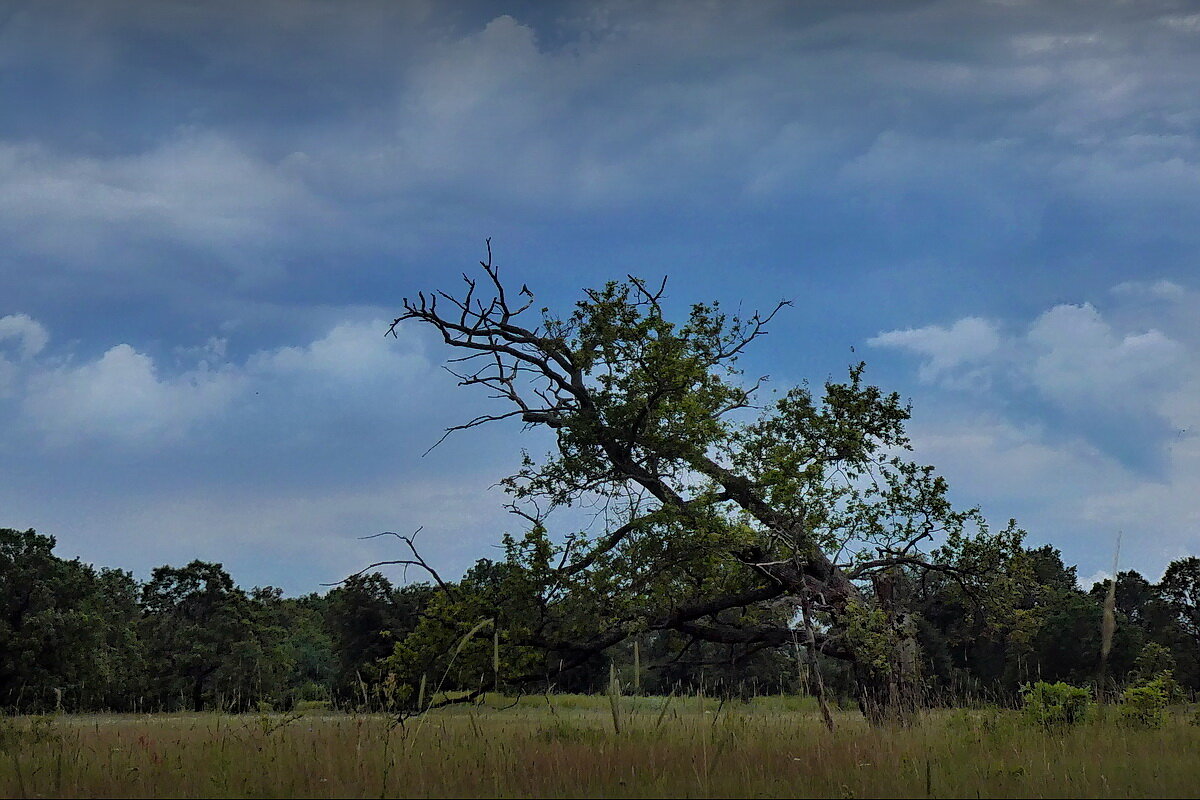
(794, 523)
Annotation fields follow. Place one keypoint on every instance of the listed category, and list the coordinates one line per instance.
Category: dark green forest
(78, 638)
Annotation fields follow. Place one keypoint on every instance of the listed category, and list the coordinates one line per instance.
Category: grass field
(771, 747)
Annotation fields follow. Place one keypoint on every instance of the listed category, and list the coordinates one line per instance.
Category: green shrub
(312, 705)
(1153, 661)
(1145, 705)
(1055, 705)
(311, 690)
(1164, 680)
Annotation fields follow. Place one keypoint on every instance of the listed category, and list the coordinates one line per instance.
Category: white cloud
(318, 529)
(1063, 488)
(1068, 482)
(121, 397)
(124, 397)
(1009, 461)
(1153, 290)
(30, 338)
(970, 340)
(285, 455)
(1188, 23)
(199, 190)
(32, 335)
(1039, 43)
(1070, 355)
(255, 527)
(1099, 576)
(1077, 358)
(621, 106)
(352, 353)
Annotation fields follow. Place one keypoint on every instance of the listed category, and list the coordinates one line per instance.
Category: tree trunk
(904, 688)
(813, 664)
(198, 695)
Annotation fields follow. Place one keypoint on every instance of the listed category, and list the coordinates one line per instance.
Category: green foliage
(1030, 621)
(97, 639)
(365, 617)
(720, 508)
(471, 637)
(197, 625)
(1145, 705)
(1179, 629)
(311, 706)
(1154, 660)
(1180, 587)
(65, 628)
(869, 634)
(1055, 706)
(1155, 666)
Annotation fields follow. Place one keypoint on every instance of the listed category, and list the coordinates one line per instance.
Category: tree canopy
(722, 517)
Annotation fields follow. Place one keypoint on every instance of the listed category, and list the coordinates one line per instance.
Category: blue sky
(209, 210)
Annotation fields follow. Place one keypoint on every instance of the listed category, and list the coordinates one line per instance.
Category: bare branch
(650, 298)
(416, 561)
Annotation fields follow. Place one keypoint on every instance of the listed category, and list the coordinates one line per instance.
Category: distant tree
(196, 622)
(716, 525)
(309, 648)
(1029, 622)
(65, 635)
(671, 662)
(1136, 597)
(1180, 630)
(118, 661)
(366, 616)
(1180, 588)
(1153, 661)
(263, 667)
(1048, 571)
(494, 600)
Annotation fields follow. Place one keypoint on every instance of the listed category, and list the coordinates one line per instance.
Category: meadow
(570, 746)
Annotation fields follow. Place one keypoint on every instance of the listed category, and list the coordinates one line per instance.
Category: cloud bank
(1085, 419)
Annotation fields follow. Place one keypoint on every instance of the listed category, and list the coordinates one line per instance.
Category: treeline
(79, 638)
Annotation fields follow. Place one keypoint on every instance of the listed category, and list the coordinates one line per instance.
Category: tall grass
(685, 746)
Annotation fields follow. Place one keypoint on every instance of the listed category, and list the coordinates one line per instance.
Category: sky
(210, 211)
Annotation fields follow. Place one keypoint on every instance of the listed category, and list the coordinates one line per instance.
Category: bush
(1145, 705)
(311, 705)
(1153, 661)
(311, 690)
(1055, 705)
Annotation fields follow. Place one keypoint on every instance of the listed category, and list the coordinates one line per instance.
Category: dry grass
(694, 748)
